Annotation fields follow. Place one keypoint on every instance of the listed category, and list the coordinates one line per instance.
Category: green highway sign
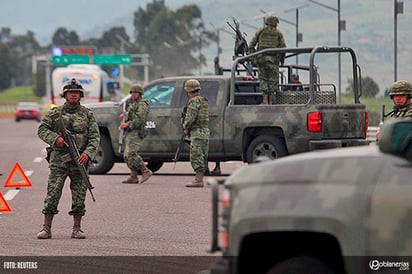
(120, 59)
(70, 59)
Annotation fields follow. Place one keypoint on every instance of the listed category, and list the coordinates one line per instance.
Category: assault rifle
(179, 149)
(241, 46)
(73, 150)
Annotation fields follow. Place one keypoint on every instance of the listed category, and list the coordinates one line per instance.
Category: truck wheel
(265, 146)
(104, 160)
(303, 264)
(154, 165)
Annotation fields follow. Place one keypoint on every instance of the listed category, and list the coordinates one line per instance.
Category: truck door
(160, 96)
(212, 89)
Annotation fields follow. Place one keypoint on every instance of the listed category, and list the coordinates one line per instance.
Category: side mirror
(396, 138)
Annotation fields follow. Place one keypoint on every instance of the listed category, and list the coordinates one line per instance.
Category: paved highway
(146, 222)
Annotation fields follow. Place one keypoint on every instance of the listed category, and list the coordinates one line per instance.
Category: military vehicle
(345, 210)
(241, 127)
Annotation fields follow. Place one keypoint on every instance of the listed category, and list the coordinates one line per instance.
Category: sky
(43, 17)
(369, 23)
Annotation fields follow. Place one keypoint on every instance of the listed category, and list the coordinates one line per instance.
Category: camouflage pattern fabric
(81, 122)
(268, 64)
(401, 112)
(196, 120)
(136, 116)
(401, 87)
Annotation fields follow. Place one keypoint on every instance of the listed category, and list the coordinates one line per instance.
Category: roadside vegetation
(25, 93)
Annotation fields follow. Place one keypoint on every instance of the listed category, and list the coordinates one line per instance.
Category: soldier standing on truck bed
(268, 64)
(195, 123)
(136, 131)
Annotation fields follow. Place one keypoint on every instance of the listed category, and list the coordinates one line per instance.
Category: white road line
(38, 159)
(28, 173)
(10, 194)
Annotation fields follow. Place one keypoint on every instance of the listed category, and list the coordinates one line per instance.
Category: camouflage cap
(136, 88)
(401, 87)
(72, 85)
(192, 85)
(271, 20)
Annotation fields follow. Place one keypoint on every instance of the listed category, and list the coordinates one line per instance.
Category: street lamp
(398, 9)
(341, 26)
(122, 50)
(299, 36)
(219, 49)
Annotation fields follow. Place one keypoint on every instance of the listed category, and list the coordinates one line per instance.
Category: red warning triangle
(17, 169)
(4, 206)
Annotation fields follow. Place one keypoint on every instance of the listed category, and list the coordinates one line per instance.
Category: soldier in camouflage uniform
(268, 64)
(81, 122)
(136, 131)
(195, 123)
(401, 92)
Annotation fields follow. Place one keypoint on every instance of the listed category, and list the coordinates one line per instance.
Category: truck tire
(104, 160)
(265, 146)
(154, 165)
(303, 264)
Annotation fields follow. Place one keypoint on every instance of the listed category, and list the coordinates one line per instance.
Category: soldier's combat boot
(146, 173)
(270, 98)
(77, 233)
(198, 181)
(216, 171)
(132, 178)
(45, 232)
(265, 100)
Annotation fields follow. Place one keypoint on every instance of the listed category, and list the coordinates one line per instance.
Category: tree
(8, 66)
(369, 87)
(63, 37)
(171, 35)
(113, 39)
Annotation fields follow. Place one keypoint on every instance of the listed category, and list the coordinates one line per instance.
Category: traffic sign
(119, 59)
(70, 59)
(4, 206)
(10, 180)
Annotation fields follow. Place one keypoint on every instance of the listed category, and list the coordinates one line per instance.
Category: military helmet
(401, 87)
(192, 85)
(72, 85)
(137, 88)
(271, 20)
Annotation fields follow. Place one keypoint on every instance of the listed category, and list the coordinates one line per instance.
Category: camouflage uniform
(268, 64)
(401, 87)
(195, 119)
(136, 117)
(81, 122)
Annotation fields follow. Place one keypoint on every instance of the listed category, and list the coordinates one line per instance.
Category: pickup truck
(241, 127)
(345, 210)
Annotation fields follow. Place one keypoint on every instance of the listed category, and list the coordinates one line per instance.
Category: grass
(19, 94)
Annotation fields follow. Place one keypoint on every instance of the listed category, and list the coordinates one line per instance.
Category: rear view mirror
(396, 138)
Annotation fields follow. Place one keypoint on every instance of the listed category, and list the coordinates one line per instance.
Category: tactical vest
(268, 38)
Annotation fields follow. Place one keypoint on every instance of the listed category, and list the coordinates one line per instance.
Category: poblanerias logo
(376, 265)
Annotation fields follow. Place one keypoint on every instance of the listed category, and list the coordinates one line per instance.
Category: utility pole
(341, 26)
(398, 9)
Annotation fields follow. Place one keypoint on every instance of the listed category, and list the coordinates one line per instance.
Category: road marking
(28, 173)
(38, 159)
(10, 194)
